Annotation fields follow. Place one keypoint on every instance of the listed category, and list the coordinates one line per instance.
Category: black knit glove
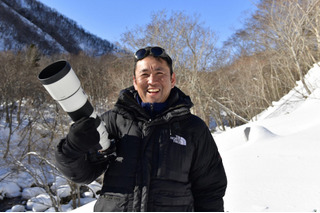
(83, 134)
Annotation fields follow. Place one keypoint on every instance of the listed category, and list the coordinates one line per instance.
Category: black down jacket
(166, 163)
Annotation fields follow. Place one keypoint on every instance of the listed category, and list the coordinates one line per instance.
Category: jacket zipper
(143, 190)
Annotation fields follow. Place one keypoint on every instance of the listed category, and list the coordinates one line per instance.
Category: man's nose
(152, 79)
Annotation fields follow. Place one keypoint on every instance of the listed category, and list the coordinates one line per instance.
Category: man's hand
(83, 134)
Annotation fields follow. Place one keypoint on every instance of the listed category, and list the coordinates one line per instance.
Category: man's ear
(134, 81)
(173, 80)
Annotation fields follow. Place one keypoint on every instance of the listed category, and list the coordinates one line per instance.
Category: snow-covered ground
(278, 167)
(272, 163)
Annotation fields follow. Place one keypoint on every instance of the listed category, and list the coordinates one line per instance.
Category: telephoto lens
(63, 85)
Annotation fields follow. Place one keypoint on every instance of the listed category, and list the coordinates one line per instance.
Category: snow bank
(39, 203)
(64, 191)
(18, 208)
(23, 179)
(9, 190)
(291, 101)
(257, 133)
(29, 193)
(279, 171)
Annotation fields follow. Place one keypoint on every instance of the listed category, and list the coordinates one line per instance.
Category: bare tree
(287, 27)
(191, 45)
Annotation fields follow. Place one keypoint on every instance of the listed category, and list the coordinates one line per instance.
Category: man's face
(152, 80)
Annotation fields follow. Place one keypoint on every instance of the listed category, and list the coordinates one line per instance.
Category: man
(166, 158)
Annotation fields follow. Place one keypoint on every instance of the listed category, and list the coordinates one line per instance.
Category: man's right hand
(83, 134)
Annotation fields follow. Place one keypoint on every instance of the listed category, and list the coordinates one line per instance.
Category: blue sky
(108, 19)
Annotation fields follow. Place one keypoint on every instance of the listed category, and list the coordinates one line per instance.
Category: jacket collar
(177, 103)
(153, 109)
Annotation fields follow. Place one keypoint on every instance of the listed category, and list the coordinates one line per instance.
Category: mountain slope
(276, 168)
(29, 22)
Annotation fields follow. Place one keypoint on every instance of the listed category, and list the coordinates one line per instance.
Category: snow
(59, 182)
(18, 208)
(277, 168)
(47, 36)
(9, 190)
(64, 191)
(272, 163)
(29, 193)
(39, 203)
(94, 188)
(24, 180)
(86, 208)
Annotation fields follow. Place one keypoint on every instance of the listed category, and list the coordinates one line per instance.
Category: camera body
(63, 85)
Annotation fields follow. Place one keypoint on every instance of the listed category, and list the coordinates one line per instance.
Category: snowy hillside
(277, 168)
(272, 163)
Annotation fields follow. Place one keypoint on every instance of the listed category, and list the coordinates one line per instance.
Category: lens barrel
(63, 85)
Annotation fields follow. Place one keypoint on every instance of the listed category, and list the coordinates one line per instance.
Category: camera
(63, 85)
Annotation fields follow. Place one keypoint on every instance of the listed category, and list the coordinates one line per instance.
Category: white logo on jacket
(179, 140)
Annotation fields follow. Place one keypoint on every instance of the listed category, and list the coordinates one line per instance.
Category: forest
(228, 85)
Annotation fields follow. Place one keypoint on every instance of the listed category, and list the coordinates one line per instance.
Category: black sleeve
(208, 177)
(79, 167)
(84, 167)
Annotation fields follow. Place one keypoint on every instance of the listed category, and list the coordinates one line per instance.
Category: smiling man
(153, 80)
(166, 158)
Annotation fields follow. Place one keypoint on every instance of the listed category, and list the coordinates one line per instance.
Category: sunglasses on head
(154, 51)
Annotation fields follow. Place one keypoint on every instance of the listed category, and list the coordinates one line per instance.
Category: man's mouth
(153, 90)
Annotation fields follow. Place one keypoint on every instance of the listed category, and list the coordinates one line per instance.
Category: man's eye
(159, 72)
(144, 75)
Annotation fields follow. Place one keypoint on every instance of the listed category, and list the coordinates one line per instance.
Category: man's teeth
(153, 90)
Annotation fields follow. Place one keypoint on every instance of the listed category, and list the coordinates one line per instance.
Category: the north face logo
(179, 140)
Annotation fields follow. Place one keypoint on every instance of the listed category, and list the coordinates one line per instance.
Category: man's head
(153, 75)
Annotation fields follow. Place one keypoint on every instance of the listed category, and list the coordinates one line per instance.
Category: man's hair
(165, 57)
